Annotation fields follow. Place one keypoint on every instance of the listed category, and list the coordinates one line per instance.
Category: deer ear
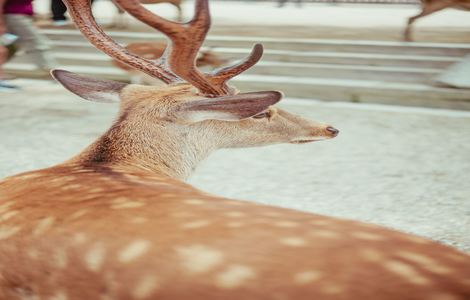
(228, 108)
(88, 88)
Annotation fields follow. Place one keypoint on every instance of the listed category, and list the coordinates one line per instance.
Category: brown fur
(431, 6)
(117, 221)
(73, 237)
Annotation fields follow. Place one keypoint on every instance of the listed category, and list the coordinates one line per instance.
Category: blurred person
(18, 17)
(58, 10)
(4, 86)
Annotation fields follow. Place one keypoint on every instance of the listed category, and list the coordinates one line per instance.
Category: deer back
(121, 234)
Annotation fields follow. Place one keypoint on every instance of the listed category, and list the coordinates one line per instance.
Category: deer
(118, 221)
(154, 50)
(431, 6)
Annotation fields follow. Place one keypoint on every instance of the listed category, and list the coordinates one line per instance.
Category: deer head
(170, 129)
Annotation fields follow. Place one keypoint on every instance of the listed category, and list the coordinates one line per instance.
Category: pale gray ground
(401, 167)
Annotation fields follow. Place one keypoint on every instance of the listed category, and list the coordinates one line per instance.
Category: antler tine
(80, 11)
(221, 76)
(186, 38)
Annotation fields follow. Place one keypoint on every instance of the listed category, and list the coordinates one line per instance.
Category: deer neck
(153, 147)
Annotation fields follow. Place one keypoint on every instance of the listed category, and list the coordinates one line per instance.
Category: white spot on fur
(73, 186)
(199, 258)
(293, 241)
(328, 234)
(235, 214)
(79, 238)
(332, 289)
(43, 225)
(405, 271)
(307, 277)
(123, 203)
(426, 262)
(195, 224)
(371, 255)
(32, 253)
(26, 294)
(95, 190)
(417, 239)
(234, 276)
(367, 236)
(4, 207)
(94, 258)
(30, 176)
(456, 256)
(286, 224)
(133, 251)
(61, 295)
(320, 222)
(194, 201)
(9, 214)
(235, 224)
(145, 287)
(272, 214)
(7, 232)
(77, 214)
(60, 258)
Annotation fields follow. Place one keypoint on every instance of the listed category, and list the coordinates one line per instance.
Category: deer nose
(332, 130)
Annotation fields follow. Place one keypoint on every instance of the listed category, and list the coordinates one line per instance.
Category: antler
(221, 76)
(179, 60)
(80, 11)
(186, 40)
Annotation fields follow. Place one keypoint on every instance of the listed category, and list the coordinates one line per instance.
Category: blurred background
(402, 158)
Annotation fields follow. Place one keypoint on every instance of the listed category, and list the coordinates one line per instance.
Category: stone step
(338, 58)
(293, 44)
(328, 71)
(67, 50)
(320, 88)
(294, 69)
(360, 91)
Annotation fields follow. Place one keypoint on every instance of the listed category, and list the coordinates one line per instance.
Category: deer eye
(262, 115)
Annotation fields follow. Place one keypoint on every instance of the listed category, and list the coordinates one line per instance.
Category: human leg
(58, 10)
(33, 43)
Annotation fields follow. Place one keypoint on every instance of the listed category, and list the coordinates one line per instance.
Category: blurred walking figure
(18, 17)
(4, 86)
(58, 10)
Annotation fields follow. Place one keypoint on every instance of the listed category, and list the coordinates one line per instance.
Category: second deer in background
(154, 50)
(431, 6)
